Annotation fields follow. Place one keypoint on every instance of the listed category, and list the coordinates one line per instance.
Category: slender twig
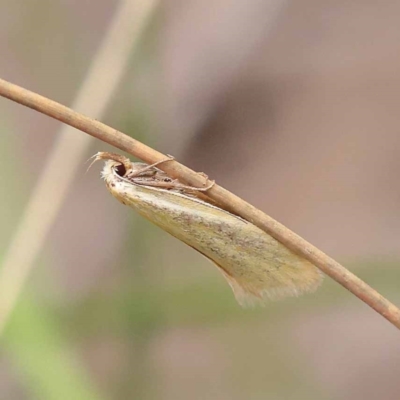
(49, 192)
(223, 197)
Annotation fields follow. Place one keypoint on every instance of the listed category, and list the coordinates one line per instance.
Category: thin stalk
(223, 197)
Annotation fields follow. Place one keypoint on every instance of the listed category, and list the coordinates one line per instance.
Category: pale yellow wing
(257, 266)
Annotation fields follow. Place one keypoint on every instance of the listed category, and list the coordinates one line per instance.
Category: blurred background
(292, 105)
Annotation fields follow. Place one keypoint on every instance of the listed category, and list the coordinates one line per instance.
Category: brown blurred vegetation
(291, 105)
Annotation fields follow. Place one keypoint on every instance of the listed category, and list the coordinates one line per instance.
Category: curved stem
(223, 197)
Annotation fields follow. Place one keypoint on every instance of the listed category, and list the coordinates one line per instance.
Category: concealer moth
(256, 266)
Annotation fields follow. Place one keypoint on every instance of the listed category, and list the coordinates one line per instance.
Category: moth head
(111, 169)
(115, 165)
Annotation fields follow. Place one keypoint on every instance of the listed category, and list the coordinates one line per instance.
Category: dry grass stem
(69, 149)
(223, 197)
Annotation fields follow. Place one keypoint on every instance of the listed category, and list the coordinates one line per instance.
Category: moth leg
(149, 167)
(203, 175)
(168, 183)
(204, 189)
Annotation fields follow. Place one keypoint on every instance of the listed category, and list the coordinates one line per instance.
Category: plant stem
(223, 197)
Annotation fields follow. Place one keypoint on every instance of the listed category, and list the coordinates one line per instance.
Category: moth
(256, 266)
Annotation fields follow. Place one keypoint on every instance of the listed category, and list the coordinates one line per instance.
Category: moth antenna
(94, 158)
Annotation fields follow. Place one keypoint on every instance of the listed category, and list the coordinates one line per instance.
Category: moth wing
(248, 294)
(256, 266)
